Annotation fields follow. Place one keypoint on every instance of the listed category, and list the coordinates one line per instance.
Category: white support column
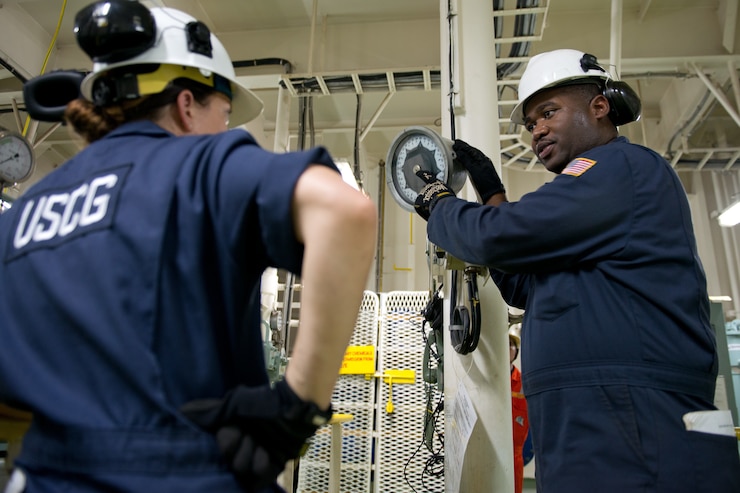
(282, 121)
(282, 144)
(485, 460)
(615, 40)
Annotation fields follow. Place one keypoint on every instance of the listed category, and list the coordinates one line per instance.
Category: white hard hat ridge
(550, 69)
(171, 47)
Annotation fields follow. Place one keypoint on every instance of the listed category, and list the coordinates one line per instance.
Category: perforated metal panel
(390, 444)
(404, 463)
(355, 395)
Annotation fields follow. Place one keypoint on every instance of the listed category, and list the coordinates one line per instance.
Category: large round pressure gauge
(415, 149)
(16, 157)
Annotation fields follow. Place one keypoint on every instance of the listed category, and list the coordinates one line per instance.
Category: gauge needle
(14, 156)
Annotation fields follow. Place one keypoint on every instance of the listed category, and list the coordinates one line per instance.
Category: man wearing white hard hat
(136, 341)
(618, 356)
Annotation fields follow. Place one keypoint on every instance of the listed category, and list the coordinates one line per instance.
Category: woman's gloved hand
(480, 169)
(258, 429)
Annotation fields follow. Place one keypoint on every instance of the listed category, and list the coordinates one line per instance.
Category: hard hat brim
(517, 114)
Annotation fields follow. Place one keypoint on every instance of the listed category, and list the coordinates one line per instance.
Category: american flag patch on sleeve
(578, 166)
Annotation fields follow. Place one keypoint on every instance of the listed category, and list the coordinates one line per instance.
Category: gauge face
(418, 152)
(415, 149)
(16, 158)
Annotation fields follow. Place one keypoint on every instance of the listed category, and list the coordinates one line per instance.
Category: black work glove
(258, 429)
(480, 169)
(433, 191)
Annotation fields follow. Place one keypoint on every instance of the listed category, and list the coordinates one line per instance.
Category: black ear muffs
(46, 96)
(624, 103)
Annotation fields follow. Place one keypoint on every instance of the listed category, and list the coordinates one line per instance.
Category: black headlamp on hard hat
(115, 30)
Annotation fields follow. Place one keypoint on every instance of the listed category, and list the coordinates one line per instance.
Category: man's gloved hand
(258, 429)
(433, 191)
(480, 169)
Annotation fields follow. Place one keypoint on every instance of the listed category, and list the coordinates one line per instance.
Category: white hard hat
(515, 333)
(159, 45)
(555, 68)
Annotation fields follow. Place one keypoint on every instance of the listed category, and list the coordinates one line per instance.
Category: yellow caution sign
(358, 360)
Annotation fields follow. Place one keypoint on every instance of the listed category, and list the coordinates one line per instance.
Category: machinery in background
(732, 333)
(273, 336)
(727, 389)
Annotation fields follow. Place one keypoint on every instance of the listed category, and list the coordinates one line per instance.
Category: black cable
(451, 61)
(432, 464)
(475, 317)
(358, 124)
(13, 71)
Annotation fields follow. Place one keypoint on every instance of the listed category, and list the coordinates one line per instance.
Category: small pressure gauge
(16, 157)
(415, 149)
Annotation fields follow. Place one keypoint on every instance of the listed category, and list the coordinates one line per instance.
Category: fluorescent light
(730, 216)
(720, 298)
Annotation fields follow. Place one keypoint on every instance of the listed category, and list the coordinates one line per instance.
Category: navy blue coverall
(616, 341)
(131, 286)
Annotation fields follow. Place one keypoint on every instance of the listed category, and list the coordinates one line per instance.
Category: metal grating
(353, 394)
(403, 462)
(390, 444)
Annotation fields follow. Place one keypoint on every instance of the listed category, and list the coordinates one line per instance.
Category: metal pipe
(376, 115)
(312, 36)
(46, 134)
(381, 228)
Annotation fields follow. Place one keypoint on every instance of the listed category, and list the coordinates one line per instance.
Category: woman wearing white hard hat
(136, 339)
